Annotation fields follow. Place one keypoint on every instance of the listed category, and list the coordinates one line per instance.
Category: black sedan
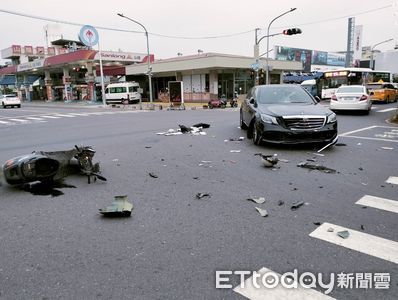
(286, 114)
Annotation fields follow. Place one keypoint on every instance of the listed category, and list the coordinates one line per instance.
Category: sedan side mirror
(317, 99)
(253, 102)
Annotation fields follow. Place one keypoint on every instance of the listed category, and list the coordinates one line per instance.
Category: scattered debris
(148, 147)
(343, 234)
(235, 151)
(152, 175)
(359, 144)
(196, 178)
(120, 207)
(283, 160)
(330, 229)
(315, 167)
(340, 144)
(311, 159)
(387, 148)
(296, 205)
(281, 202)
(51, 166)
(317, 223)
(239, 139)
(201, 125)
(319, 154)
(362, 227)
(295, 189)
(364, 207)
(263, 212)
(201, 195)
(360, 169)
(268, 160)
(259, 200)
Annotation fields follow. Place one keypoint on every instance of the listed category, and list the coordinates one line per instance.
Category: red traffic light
(292, 31)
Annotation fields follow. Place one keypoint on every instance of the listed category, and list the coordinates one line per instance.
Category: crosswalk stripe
(67, 116)
(34, 118)
(4, 122)
(380, 203)
(386, 110)
(392, 180)
(18, 120)
(79, 114)
(358, 241)
(50, 117)
(279, 292)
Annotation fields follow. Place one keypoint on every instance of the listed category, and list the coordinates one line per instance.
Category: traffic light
(292, 31)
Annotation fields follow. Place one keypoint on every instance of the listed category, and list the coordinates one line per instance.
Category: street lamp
(267, 65)
(371, 51)
(149, 60)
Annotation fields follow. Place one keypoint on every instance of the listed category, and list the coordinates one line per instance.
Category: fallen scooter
(51, 166)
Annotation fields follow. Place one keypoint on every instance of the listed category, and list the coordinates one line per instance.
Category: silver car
(351, 97)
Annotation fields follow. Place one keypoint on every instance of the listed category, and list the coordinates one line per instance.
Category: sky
(323, 23)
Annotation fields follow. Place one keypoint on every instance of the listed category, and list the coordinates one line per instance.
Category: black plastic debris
(120, 207)
(185, 129)
(262, 212)
(152, 175)
(202, 195)
(148, 147)
(296, 205)
(281, 202)
(360, 169)
(317, 223)
(362, 227)
(307, 165)
(259, 200)
(343, 234)
(340, 144)
(203, 125)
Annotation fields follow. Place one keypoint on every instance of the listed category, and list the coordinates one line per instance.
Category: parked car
(286, 114)
(10, 100)
(382, 92)
(351, 97)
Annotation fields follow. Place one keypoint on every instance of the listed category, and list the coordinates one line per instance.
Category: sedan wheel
(256, 136)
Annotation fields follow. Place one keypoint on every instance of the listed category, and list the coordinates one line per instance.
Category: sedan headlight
(332, 118)
(268, 119)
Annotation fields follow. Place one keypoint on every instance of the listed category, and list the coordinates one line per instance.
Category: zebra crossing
(357, 240)
(42, 118)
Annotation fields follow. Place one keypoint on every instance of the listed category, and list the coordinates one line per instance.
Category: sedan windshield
(350, 89)
(274, 94)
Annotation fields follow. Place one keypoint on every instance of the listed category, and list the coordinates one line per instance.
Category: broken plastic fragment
(387, 148)
(296, 205)
(203, 125)
(307, 165)
(153, 175)
(262, 212)
(201, 195)
(340, 144)
(235, 151)
(330, 229)
(268, 160)
(120, 207)
(259, 200)
(316, 223)
(281, 202)
(343, 234)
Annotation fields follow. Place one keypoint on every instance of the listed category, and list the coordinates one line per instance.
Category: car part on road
(268, 160)
(152, 175)
(201, 195)
(262, 212)
(296, 205)
(343, 234)
(259, 200)
(307, 165)
(120, 207)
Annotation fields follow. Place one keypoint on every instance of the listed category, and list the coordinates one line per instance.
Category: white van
(123, 91)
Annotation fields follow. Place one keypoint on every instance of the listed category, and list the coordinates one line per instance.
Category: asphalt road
(173, 244)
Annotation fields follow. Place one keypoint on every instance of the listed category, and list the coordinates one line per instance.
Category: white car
(10, 100)
(351, 97)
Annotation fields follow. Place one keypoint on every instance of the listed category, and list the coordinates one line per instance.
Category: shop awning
(7, 80)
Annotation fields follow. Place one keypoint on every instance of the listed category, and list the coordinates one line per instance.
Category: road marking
(368, 138)
(79, 114)
(50, 117)
(19, 120)
(387, 109)
(392, 180)
(4, 122)
(358, 241)
(358, 130)
(279, 292)
(34, 118)
(380, 203)
(67, 116)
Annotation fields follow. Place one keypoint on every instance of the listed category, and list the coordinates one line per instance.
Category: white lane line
(19, 120)
(250, 291)
(50, 117)
(368, 138)
(4, 122)
(392, 180)
(67, 116)
(79, 114)
(358, 130)
(34, 118)
(358, 241)
(387, 109)
(380, 203)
